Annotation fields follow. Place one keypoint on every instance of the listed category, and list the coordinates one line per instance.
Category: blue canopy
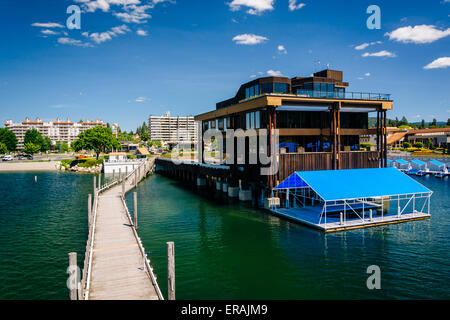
(440, 164)
(401, 161)
(420, 163)
(334, 185)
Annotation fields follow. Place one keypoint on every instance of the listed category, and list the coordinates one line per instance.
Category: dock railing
(84, 286)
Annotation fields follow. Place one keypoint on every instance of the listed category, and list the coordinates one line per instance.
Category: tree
(422, 124)
(8, 138)
(33, 136)
(448, 122)
(406, 145)
(31, 148)
(99, 139)
(418, 145)
(434, 123)
(3, 148)
(156, 143)
(62, 146)
(46, 144)
(404, 121)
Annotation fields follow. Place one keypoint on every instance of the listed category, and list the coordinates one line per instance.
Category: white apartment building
(59, 130)
(172, 130)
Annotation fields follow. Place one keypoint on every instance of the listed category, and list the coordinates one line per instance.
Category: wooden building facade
(319, 124)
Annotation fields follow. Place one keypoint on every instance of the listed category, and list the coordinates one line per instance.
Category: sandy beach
(28, 166)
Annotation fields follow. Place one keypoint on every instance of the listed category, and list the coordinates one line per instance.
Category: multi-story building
(172, 130)
(58, 131)
(320, 124)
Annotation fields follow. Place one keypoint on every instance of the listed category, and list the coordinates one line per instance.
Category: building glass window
(257, 119)
(247, 121)
(280, 88)
(266, 88)
(252, 91)
(257, 90)
(247, 93)
(220, 124)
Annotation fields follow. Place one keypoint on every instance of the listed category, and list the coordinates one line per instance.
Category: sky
(133, 58)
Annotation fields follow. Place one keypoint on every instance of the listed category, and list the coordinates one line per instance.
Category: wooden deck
(117, 268)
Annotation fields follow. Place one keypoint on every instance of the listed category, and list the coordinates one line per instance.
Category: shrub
(406, 144)
(418, 145)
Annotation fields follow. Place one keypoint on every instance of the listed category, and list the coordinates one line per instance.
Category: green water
(40, 223)
(223, 250)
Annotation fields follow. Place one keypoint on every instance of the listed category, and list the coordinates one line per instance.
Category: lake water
(224, 250)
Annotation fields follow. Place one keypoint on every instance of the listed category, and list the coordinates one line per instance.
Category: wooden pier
(116, 265)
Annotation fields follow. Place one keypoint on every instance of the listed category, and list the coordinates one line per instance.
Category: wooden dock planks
(118, 271)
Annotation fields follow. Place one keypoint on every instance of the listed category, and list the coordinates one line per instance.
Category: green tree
(434, 123)
(8, 138)
(448, 122)
(406, 145)
(61, 146)
(100, 139)
(3, 148)
(418, 145)
(404, 121)
(31, 148)
(33, 136)
(46, 144)
(156, 143)
(422, 124)
(144, 132)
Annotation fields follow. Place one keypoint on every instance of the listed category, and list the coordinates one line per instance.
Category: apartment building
(59, 130)
(172, 130)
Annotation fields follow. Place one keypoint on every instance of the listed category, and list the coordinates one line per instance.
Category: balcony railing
(344, 95)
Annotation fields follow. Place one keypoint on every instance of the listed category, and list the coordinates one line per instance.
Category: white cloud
(367, 74)
(282, 49)
(142, 33)
(366, 44)
(418, 34)
(274, 73)
(48, 31)
(134, 14)
(256, 7)
(382, 53)
(47, 25)
(99, 37)
(440, 63)
(294, 6)
(73, 42)
(249, 39)
(141, 99)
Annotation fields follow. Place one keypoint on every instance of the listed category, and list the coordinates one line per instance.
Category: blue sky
(132, 58)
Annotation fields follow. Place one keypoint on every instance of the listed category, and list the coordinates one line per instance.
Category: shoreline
(29, 166)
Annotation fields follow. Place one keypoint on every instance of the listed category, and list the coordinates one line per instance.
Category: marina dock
(116, 265)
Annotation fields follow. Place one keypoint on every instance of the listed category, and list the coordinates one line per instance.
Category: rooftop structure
(58, 130)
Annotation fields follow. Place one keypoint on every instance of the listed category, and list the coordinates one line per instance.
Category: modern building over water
(172, 130)
(320, 123)
(58, 130)
(322, 177)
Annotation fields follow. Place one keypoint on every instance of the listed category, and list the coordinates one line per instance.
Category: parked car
(8, 158)
(80, 157)
(24, 156)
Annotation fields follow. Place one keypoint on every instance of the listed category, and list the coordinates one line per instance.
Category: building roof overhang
(277, 100)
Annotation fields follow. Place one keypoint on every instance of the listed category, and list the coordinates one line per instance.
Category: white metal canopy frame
(360, 209)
